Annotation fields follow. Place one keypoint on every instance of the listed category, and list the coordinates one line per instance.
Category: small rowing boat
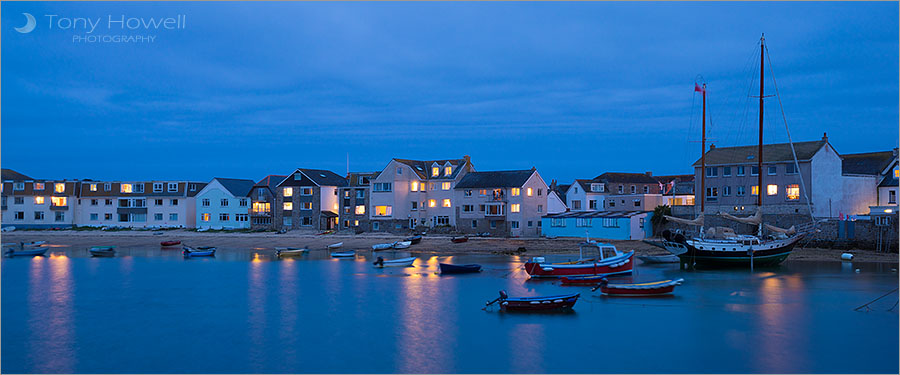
(402, 262)
(459, 239)
(290, 251)
(414, 239)
(38, 251)
(582, 280)
(343, 254)
(654, 259)
(335, 245)
(459, 268)
(33, 243)
(548, 303)
(103, 251)
(169, 243)
(655, 288)
(402, 244)
(201, 251)
(382, 246)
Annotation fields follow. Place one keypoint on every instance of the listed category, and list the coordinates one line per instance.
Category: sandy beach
(435, 244)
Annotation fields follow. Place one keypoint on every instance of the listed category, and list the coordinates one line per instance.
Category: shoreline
(434, 244)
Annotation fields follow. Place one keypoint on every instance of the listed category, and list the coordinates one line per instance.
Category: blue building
(610, 225)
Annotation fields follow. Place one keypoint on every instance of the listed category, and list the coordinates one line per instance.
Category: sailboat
(721, 246)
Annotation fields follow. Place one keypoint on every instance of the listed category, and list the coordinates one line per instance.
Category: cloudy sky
(575, 89)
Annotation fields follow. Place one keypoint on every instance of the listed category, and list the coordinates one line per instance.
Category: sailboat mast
(703, 157)
(759, 161)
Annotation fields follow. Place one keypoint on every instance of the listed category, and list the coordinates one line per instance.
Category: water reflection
(428, 323)
(51, 319)
(780, 332)
(526, 344)
(288, 297)
(256, 323)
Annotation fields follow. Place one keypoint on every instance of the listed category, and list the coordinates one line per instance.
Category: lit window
(382, 210)
(515, 192)
(125, 188)
(432, 203)
(288, 192)
(445, 203)
(414, 186)
(306, 206)
(361, 210)
(306, 191)
(38, 200)
(58, 201)
(514, 208)
(38, 186)
(528, 192)
(771, 189)
(445, 186)
(355, 223)
(288, 206)
(448, 170)
(754, 190)
(93, 187)
(793, 192)
(435, 171)
(261, 207)
(335, 206)
(59, 188)
(897, 172)
(204, 217)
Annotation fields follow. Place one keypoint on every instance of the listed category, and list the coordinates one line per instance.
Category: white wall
(826, 185)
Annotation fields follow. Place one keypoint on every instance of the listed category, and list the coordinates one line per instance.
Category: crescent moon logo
(29, 24)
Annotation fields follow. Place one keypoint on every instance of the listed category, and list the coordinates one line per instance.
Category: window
(107, 217)
(93, 187)
(173, 217)
(139, 188)
(445, 186)
(414, 186)
(223, 202)
(583, 222)
(306, 191)
(19, 200)
(288, 206)
(360, 194)
(529, 192)
(592, 204)
(540, 208)
(223, 217)
(467, 193)
(482, 192)
(558, 223)
(792, 192)
(59, 188)
(362, 180)
(382, 210)
(306, 206)
(157, 217)
(193, 187)
(60, 216)
(712, 171)
(892, 196)
(261, 207)
(19, 186)
(633, 189)
(621, 189)
(431, 186)
(435, 171)
(382, 186)
(637, 202)
(754, 190)
(597, 188)
(414, 205)
(740, 170)
(576, 205)
(646, 189)
(754, 170)
(361, 209)
(287, 192)
(38, 200)
(515, 207)
(58, 201)
(108, 202)
(610, 222)
(726, 171)
(95, 217)
(540, 192)
(39, 215)
(157, 202)
(448, 170)
(173, 202)
(493, 210)
(741, 191)
(514, 224)
(612, 203)
(241, 217)
(773, 170)
(468, 208)
(125, 188)
(205, 202)
(790, 169)
(94, 202)
(772, 189)
(157, 187)
(442, 220)
(432, 203)
(493, 224)
(445, 203)
(139, 203)
(39, 186)
(20, 215)
(726, 191)
(712, 194)
(173, 187)
(515, 192)
(242, 202)
(474, 223)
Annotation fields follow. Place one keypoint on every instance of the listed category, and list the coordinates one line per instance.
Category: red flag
(697, 88)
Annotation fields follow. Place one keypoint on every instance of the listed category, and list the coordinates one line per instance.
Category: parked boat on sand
(382, 246)
(459, 239)
(547, 303)
(414, 239)
(335, 245)
(290, 251)
(169, 243)
(402, 244)
(103, 251)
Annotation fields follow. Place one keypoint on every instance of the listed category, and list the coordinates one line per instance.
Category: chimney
(649, 173)
(468, 159)
(825, 136)
(712, 146)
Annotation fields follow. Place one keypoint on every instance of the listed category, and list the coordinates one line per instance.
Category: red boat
(655, 288)
(548, 303)
(170, 243)
(608, 262)
(459, 239)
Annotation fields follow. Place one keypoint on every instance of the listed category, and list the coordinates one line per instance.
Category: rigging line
(793, 151)
(872, 301)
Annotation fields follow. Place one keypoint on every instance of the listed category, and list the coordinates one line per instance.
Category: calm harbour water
(151, 311)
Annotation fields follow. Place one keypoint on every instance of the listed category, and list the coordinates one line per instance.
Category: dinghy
(459, 268)
(103, 251)
(290, 251)
(202, 251)
(33, 243)
(37, 251)
(335, 245)
(343, 254)
(655, 288)
(654, 259)
(402, 244)
(582, 280)
(459, 239)
(414, 239)
(402, 262)
(169, 243)
(610, 261)
(382, 246)
(548, 303)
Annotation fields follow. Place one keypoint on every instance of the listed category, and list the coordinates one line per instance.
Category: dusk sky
(245, 90)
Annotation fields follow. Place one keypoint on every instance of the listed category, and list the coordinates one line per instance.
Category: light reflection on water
(252, 313)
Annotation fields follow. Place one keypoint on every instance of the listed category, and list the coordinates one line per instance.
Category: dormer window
(38, 186)
(125, 188)
(435, 171)
(298, 176)
(448, 170)
(59, 188)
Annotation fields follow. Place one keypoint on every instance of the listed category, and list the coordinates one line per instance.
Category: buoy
(846, 256)
(857, 270)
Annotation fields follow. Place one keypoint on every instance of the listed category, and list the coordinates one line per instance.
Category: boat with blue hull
(459, 268)
(202, 251)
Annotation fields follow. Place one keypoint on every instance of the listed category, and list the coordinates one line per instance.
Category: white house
(223, 204)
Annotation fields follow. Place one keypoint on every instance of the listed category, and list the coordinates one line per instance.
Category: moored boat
(290, 251)
(33, 243)
(402, 244)
(402, 262)
(546, 303)
(459, 239)
(582, 280)
(343, 254)
(201, 251)
(37, 251)
(169, 243)
(335, 245)
(655, 288)
(382, 246)
(609, 262)
(414, 239)
(459, 268)
(655, 259)
(103, 251)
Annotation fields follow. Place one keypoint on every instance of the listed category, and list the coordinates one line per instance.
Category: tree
(659, 218)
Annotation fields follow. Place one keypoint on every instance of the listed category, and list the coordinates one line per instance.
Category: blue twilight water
(149, 310)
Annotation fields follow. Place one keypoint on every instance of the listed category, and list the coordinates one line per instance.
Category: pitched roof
(270, 181)
(495, 179)
(324, 177)
(677, 178)
(422, 167)
(237, 187)
(777, 152)
(870, 163)
(9, 174)
(594, 214)
(889, 181)
(633, 178)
